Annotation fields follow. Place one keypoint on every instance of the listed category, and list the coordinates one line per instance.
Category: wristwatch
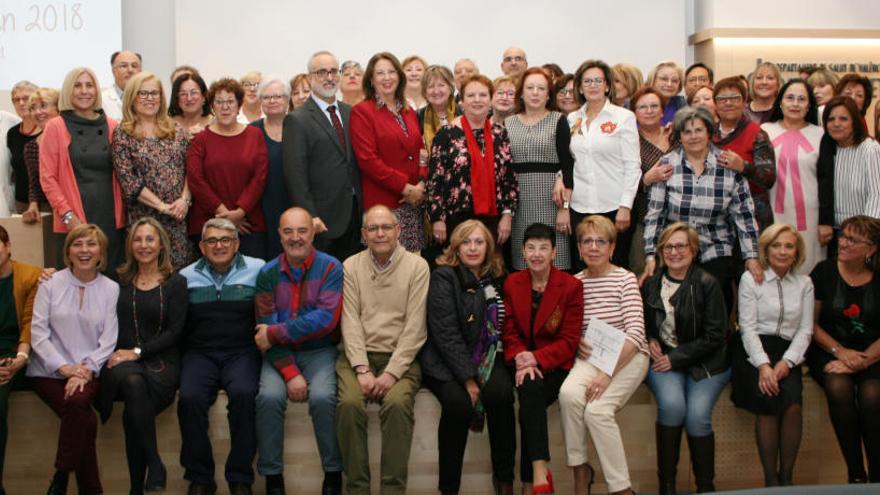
(67, 217)
(137, 350)
(834, 350)
(361, 369)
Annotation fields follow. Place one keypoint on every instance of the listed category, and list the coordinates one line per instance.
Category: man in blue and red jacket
(298, 302)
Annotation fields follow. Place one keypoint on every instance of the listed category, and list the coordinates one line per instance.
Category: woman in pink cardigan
(76, 170)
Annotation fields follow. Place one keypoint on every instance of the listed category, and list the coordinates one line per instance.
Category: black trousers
(349, 242)
(621, 246)
(496, 396)
(534, 398)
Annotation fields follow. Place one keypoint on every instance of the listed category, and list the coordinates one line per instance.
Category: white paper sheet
(607, 343)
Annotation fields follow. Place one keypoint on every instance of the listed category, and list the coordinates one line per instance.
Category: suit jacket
(321, 174)
(388, 159)
(25, 281)
(554, 337)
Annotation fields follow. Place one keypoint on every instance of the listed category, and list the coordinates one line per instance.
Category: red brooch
(608, 127)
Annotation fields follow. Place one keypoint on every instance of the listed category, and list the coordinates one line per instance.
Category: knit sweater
(384, 311)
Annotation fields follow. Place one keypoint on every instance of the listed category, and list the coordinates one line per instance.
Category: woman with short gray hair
(274, 96)
(713, 199)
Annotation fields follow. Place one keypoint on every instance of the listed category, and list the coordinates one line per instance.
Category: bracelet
(67, 217)
(25, 355)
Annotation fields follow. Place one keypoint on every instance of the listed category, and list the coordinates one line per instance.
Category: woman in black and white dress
(539, 141)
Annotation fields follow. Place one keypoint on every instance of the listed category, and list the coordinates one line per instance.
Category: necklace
(159, 364)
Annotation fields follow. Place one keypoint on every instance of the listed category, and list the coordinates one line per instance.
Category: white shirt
(323, 105)
(111, 102)
(781, 307)
(607, 167)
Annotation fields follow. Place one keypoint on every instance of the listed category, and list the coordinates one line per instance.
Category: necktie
(337, 124)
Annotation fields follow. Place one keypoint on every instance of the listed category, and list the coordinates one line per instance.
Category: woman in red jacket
(545, 310)
(387, 143)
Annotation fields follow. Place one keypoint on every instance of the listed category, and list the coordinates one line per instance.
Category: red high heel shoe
(546, 488)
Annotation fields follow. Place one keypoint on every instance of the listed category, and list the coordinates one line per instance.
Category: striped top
(615, 299)
(857, 181)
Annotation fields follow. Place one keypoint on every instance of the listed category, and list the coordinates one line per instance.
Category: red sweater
(228, 170)
(388, 159)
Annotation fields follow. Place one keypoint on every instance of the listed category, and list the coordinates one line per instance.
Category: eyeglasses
(225, 103)
(669, 80)
(597, 242)
(668, 248)
(386, 227)
(148, 95)
(250, 84)
(790, 98)
(21, 99)
(852, 240)
(596, 81)
(647, 106)
(566, 92)
(505, 94)
(699, 79)
(280, 97)
(515, 58)
(323, 73)
(222, 241)
(728, 98)
(193, 93)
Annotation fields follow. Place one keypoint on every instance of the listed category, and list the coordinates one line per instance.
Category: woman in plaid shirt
(713, 199)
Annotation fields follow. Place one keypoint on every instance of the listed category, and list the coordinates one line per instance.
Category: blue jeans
(681, 400)
(318, 367)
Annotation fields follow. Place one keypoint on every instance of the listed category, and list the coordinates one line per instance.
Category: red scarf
(482, 169)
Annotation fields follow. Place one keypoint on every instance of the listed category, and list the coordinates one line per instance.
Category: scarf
(482, 169)
(485, 349)
(432, 123)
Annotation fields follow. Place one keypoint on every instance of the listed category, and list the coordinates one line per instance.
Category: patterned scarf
(487, 345)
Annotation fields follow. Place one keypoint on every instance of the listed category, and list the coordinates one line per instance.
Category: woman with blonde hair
(668, 79)
(149, 156)
(43, 105)
(462, 362)
(251, 109)
(414, 67)
(775, 325)
(627, 80)
(73, 332)
(764, 85)
(438, 89)
(76, 166)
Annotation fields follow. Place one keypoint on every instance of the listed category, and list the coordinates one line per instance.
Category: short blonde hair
(770, 234)
(823, 77)
(64, 101)
(652, 76)
(772, 68)
(164, 125)
(251, 74)
(599, 224)
(492, 265)
(45, 95)
(692, 236)
(630, 76)
(414, 58)
(86, 230)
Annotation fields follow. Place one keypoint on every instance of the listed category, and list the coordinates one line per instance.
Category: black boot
(703, 461)
(668, 449)
(59, 483)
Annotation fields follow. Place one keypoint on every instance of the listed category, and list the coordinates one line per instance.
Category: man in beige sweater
(383, 327)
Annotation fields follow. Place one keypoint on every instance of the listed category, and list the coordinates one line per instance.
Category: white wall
(787, 14)
(277, 36)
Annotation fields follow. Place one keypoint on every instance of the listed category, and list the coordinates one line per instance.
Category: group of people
(367, 232)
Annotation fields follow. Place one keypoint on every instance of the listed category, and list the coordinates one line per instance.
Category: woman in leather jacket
(689, 353)
(462, 362)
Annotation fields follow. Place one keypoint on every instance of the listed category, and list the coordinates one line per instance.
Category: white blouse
(779, 306)
(607, 167)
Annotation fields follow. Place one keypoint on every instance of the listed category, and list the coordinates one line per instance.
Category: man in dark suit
(320, 168)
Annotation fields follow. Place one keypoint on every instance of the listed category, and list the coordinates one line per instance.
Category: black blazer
(321, 174)
(700, 322)
(456, 311)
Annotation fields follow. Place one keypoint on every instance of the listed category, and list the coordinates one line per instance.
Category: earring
(868, 260)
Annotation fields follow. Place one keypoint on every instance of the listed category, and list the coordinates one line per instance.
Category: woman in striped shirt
(590, 398)
(848, 171)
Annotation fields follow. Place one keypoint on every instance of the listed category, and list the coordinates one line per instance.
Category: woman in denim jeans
(686, 325)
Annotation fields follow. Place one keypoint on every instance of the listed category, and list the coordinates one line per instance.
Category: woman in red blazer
(545, 310)
(387, 143)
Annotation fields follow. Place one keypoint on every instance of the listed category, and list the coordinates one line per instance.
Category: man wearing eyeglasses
(385, 290)
(125, 64)
(513, 62)
(219, 354)
(319, 165)
(298, 301)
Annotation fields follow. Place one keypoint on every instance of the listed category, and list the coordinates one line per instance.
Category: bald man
(125, 64)
(514, 62)
(298, 301)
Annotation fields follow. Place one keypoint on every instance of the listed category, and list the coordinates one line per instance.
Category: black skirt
(744, 379)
